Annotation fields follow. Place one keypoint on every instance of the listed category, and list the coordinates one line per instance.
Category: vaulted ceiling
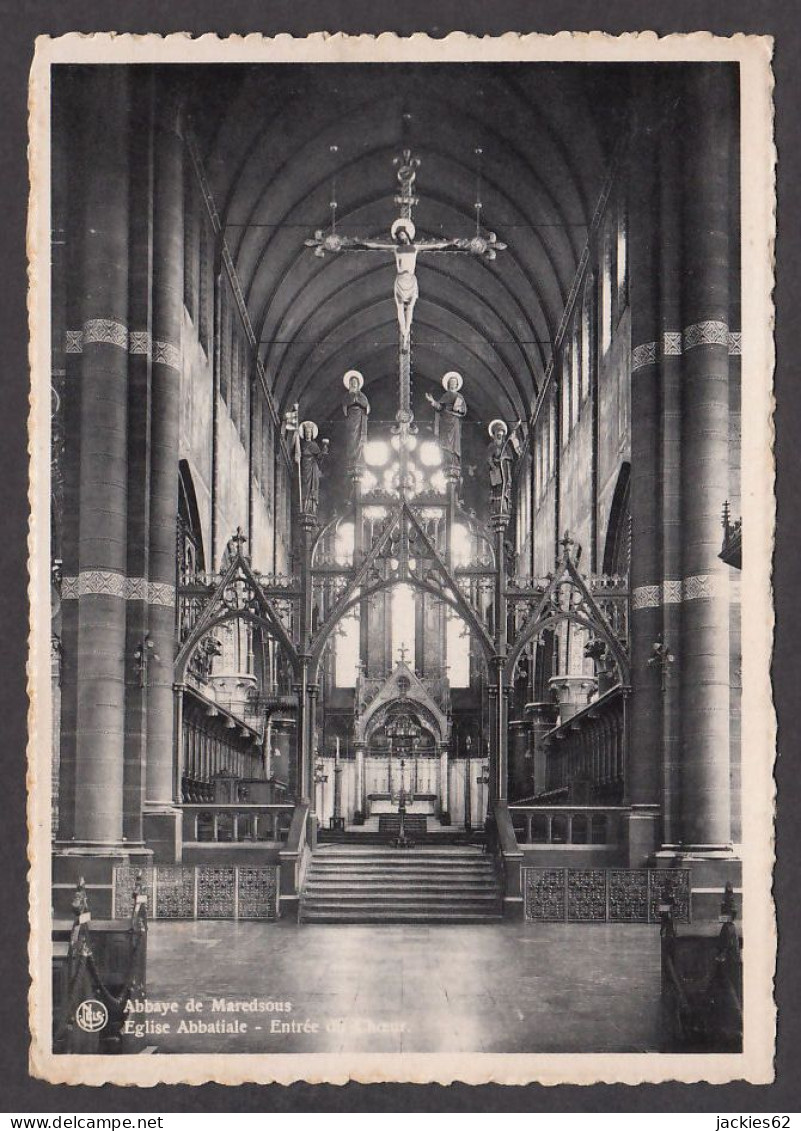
(278, 142)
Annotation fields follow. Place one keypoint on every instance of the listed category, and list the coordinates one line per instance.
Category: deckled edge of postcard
(755, 1063)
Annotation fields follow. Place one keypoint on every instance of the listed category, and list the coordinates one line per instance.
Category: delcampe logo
(91, 1016)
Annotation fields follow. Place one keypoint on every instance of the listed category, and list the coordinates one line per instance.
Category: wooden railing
(194, 791)
(236, 823)
(587, 752)
(567, 824)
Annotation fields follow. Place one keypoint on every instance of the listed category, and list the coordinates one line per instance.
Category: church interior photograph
(395, 538)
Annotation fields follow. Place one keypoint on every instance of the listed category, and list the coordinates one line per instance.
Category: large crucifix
(406, 246)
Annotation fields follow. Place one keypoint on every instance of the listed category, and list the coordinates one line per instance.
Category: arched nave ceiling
(547, 133)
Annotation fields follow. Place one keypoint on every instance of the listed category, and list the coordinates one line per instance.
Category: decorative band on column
(643, 355)
(674, 343)
(93, 583)
(709, 333)
(160, 593)
(165, 353)
(699, 586)
(135, 589)
(140, 343)
(693, 588)
(105, 331)
(107, 583)
(137, 342)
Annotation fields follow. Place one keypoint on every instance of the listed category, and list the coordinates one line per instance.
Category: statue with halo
(356, 408)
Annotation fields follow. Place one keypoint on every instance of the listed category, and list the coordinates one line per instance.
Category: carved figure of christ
(406, 249)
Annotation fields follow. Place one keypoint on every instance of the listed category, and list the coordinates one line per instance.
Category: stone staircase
(379, 884)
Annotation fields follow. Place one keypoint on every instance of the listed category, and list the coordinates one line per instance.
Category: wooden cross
(405, 246)
(566, 542)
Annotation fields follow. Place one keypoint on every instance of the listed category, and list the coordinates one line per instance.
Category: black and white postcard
(402, 516)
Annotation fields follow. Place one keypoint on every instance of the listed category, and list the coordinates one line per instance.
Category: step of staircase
(344, 915)
(378, 879)
(365, 884)
(409, 901)
(385, 852)
(365, 868)
(395, 882)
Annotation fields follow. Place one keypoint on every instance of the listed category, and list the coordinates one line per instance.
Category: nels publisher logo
(91, 1016)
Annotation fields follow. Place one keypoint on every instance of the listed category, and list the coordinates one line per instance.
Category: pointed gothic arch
(438, 582)
(402, 686)
(190, 547)
(617, 546)
(239, 595)
(582, 609)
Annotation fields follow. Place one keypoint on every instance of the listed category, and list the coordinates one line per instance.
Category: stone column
(704, 653)
(337, 783)
(520, 763)
(444, 798)
(67, 162)
(139, 414)
(499, 693)
(492, 721)
(503, 727)
(541, 718)
(162, 828)
(99, 659)
(670, 285)
(300, 780)
(307, 702)
(281, 758)
(312, 692)
(642, 770)
(360, 799)
(468, 815)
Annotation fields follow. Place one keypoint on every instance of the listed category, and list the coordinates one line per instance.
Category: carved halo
(315, 431)
(447, 377)
(353, 373)
(498, 424)
(402, 224)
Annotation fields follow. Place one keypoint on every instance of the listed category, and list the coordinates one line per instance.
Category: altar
(380, 804)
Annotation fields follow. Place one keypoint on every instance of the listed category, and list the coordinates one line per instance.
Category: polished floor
(500, 987)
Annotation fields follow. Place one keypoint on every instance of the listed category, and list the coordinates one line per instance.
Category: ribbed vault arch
(282, 137)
